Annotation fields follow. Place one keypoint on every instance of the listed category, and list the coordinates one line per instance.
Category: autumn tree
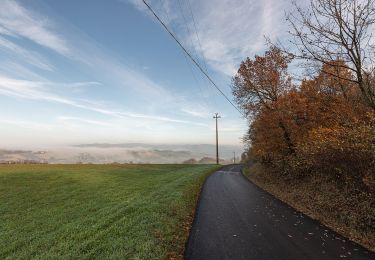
(290, 124)
(332, 30)
(258, 85)
(261, 81)
(336, 79)
(318, 132)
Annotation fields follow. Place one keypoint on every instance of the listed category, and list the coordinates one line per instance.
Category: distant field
(96, 211)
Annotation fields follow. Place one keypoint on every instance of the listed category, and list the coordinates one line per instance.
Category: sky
(105, 71)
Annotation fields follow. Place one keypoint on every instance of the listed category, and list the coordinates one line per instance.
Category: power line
(196, 33)
(200, 45)
(187, 27)
(192, 44)
(189, 55)
(196, 80)
(187, 62)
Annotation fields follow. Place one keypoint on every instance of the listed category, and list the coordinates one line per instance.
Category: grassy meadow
(97, 211)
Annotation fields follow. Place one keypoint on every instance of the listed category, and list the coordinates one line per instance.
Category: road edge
(196, 210)
(331, 229)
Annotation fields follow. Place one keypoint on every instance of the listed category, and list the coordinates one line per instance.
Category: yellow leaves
(321, 126)
(343, 138)
(369, 181)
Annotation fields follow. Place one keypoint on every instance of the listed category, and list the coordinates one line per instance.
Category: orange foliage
(348, 151)
(321, 126)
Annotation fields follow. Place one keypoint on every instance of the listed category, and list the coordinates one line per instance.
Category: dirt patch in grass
(346, 210)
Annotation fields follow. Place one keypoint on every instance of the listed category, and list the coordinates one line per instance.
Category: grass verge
(97, 211)
(347, 211)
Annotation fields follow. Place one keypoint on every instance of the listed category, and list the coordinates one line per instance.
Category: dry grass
(344, 209)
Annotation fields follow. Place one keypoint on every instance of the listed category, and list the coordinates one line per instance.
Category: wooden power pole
(216, 116)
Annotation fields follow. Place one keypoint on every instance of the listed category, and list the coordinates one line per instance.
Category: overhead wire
(187, 27)
(196, 34)
(188, 63)
(192, 58)
(200, 47)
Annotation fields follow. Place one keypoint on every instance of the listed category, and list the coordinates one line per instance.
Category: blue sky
(105, 71)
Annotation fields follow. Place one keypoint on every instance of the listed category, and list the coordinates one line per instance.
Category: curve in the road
(237, 220)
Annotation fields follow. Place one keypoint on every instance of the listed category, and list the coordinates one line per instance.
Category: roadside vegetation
(312, 140)
(97, 211)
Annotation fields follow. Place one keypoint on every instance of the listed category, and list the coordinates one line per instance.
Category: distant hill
(197, 150)
(190, 161)
(209, 160)
(125, 153)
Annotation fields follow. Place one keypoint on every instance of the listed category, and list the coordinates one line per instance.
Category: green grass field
(97, 211)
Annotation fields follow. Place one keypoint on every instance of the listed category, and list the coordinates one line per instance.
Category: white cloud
(196, 111)
(15, 70)
(19, 80)
(30, 57)
(4, 31)
(16, 20)
(26, 124)
(229, 31)
(35, 90)
(165, 8)
(236, 29)
(136, 83)
(137, 3)
(128, 78)
(68, 119)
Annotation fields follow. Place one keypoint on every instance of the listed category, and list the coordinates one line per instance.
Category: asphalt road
(237, 220)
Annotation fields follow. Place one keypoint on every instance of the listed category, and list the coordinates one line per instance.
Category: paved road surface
(237, 220)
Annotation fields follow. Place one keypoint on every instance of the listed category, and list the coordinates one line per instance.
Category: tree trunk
(288, 141)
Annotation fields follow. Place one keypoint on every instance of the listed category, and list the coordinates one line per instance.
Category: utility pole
(216, 116)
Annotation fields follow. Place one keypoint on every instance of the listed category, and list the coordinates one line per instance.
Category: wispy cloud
(196, 111)
(164, 8)
(229, 31)
(16, 20)
(35, 90)
(13, 69)
(68, 119)
(78, 48)
(103, 90)
(26, 124)
(30, 57)
(234, 30)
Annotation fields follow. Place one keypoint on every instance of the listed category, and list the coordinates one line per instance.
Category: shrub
(343, 152)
